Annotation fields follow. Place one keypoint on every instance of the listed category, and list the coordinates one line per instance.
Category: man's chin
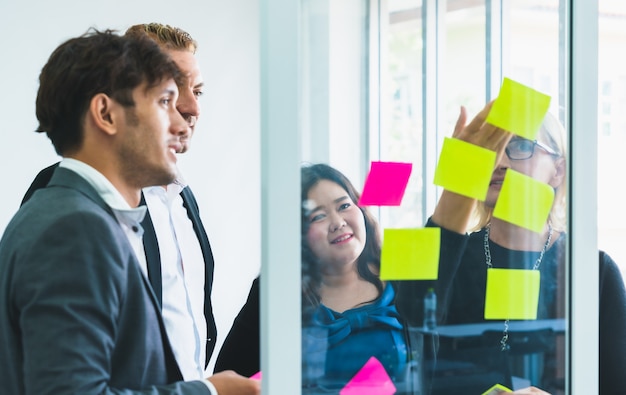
(183, 148)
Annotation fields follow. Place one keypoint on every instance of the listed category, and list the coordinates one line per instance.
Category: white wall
(222, 165)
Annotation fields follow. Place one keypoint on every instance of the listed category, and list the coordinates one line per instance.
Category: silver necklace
(505, 333)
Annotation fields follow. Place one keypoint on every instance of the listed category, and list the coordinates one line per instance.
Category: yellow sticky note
(410, 254)
(519, 109)
(465, 168)
(512, 294)
(524, 201)
(497, 389)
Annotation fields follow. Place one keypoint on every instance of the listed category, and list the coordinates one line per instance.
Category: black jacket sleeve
(241, 349)
(410, 296)
(612, 351)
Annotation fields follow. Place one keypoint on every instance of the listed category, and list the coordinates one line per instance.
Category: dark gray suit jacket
(153, 257)
(76, 313)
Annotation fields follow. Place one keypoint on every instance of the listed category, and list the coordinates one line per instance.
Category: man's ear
(102, 111)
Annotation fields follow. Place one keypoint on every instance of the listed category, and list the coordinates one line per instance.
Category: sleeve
(241, 349)
(409, 300)
(612, 351)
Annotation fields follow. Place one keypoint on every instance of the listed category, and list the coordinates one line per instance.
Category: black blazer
(241, 350)
(153, 257)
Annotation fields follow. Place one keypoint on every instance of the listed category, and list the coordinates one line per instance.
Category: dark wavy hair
(96, 62)
(311, 174)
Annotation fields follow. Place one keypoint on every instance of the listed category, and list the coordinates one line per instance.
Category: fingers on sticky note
(465, 168)
(512, 294)
(519, 109)
(385, 184)
(524, 201)
(372, 379)
(410, 254)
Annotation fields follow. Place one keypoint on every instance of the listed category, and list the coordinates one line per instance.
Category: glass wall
(383, 82)
(457, 53)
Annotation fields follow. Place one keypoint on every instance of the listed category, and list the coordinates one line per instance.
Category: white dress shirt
(183, 277)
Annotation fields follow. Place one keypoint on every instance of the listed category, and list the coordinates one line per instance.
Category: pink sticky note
(256, 376)
(372, 379)
(385, 184)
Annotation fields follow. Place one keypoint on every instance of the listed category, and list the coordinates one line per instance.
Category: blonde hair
(551, 133)
(165, 35)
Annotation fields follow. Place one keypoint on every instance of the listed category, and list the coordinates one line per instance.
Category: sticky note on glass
(385, 184)
(497, 389)
(512, 294)
(524, 201)
(372, 379)
(410, 254)
(519, 109)
(465, 168)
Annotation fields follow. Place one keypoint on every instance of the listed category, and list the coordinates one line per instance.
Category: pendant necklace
(505, 333)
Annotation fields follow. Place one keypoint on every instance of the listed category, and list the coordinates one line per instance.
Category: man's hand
(230, 383)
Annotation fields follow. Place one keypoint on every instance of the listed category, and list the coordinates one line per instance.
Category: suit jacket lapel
(153, 255)
(69, 179)
(189, 202)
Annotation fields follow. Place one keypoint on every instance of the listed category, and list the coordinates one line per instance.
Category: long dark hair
(311, 174)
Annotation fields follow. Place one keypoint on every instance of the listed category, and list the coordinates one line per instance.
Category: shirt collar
(171, 191)
(111, 196)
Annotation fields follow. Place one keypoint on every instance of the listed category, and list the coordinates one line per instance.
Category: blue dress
(337, 345)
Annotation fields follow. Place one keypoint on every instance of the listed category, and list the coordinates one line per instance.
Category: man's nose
(188, 106)
(180, 127)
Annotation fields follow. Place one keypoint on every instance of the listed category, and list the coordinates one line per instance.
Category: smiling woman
(347, 306)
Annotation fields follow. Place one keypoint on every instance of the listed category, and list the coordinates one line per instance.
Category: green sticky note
(497, 389)
(465, 168)
(512, 294)
(524, 201)
(410, 254)
(519, 109)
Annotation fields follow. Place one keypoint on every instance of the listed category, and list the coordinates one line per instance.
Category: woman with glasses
(483, 361)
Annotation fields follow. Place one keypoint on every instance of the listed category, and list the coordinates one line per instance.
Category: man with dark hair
(178, 253)
(77, 314)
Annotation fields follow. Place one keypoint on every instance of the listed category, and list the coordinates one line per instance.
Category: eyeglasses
(519, 149)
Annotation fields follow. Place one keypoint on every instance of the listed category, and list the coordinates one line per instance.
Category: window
(612, 129)
(403, 69)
